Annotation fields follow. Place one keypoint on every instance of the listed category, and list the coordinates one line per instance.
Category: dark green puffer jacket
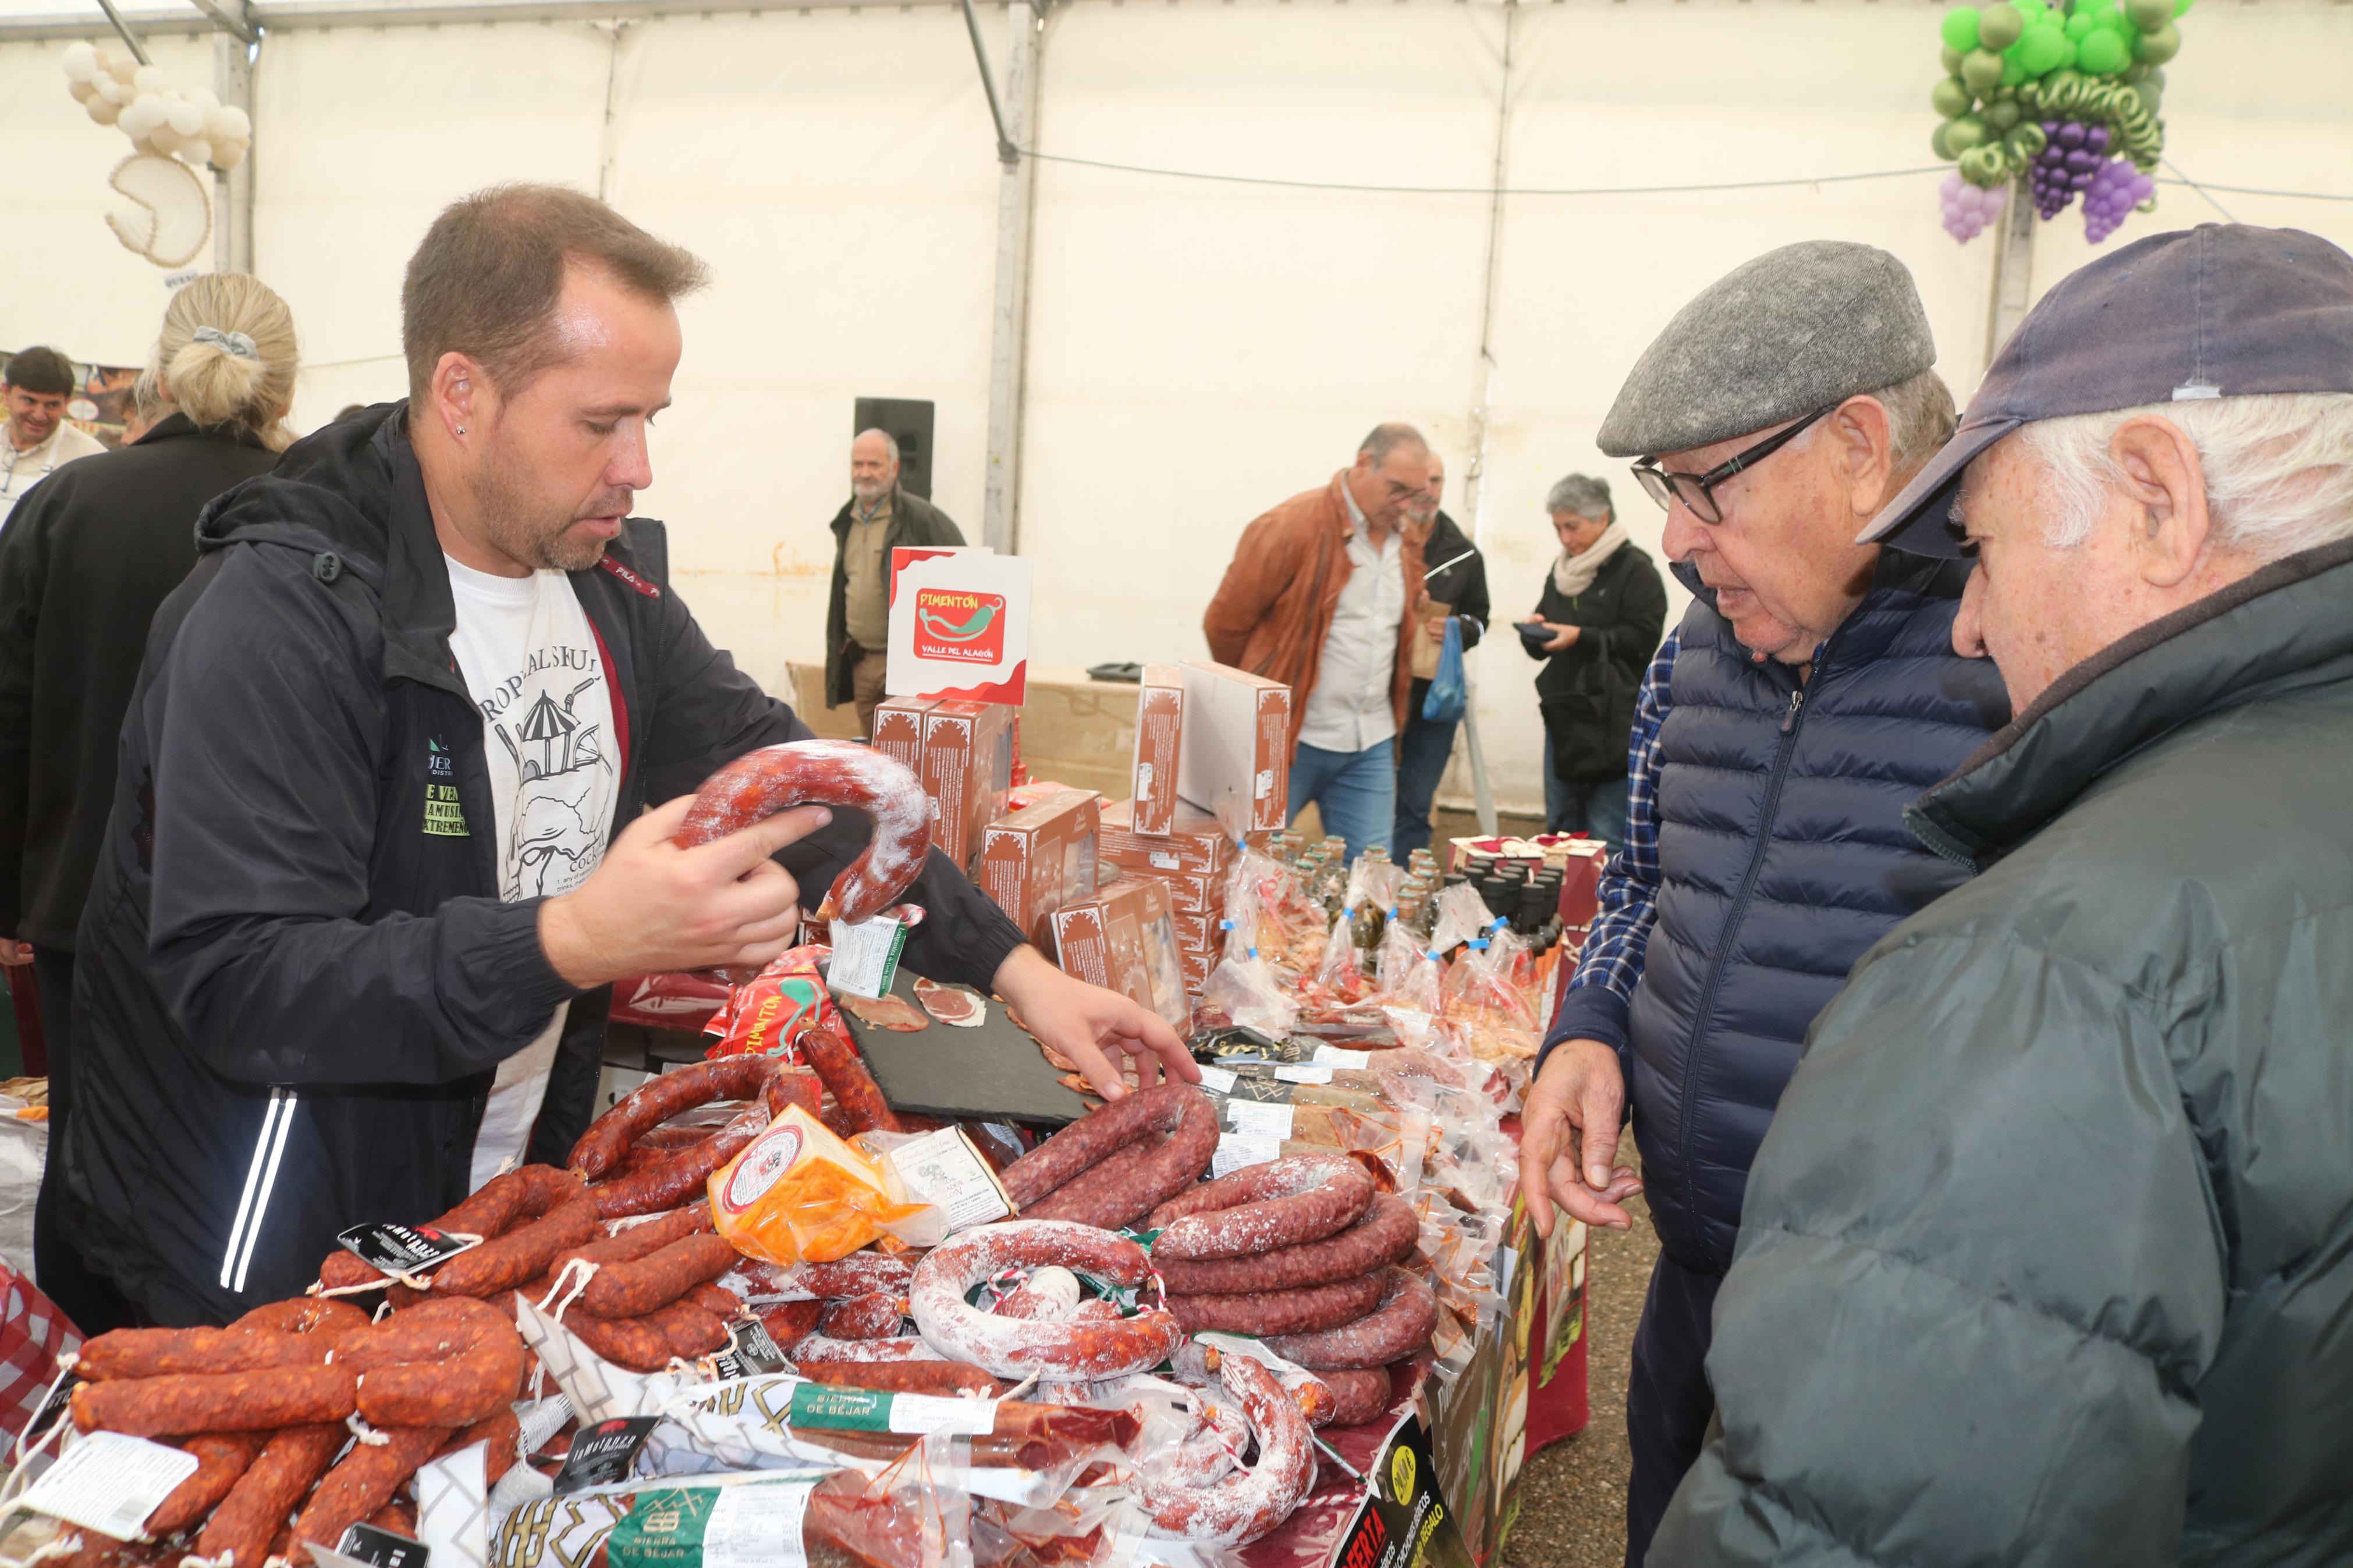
(2048, 1257)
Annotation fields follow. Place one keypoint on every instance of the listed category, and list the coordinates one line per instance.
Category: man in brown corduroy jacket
(1321, 596)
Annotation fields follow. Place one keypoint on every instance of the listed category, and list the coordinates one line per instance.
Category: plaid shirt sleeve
(1611, 959)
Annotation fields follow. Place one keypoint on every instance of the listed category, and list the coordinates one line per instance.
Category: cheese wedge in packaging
(797, 1194)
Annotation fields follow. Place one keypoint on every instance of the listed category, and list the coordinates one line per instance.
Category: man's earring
(461, 429)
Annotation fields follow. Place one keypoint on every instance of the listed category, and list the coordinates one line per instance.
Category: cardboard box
(1192, 895)
(1159, 737)
(967, 769)
(1237, 744)
(899, 729)
(1194, 933)
(1194, 845)
(1195, 968)
(1034, 861)
(1122, 939)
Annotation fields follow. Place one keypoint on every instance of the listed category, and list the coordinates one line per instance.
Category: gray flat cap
(1796, 330)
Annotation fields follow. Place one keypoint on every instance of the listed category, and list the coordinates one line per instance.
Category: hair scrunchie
(236, 345)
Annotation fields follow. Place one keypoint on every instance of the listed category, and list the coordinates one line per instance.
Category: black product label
(1406, 1520)
(750, 1352)
(54, 1407)
(391, 1248)
(1268, 1090)
(382, 1548)
(605, 1453)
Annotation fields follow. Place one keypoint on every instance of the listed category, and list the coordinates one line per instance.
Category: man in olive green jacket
(2048, 1257)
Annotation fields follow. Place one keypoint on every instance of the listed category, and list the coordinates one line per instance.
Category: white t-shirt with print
(529, 659)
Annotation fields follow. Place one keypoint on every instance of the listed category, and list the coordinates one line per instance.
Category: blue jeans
(1422, 753)
(1598, 810)
(1356, 792)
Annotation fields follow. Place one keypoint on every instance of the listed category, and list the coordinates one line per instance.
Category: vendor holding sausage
(382, 834)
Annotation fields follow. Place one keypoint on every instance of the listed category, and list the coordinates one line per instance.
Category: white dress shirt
(20, 471)
(1350, 709)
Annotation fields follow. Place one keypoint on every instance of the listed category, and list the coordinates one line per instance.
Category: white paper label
(1333, 1056)
(1235, 1151)
(1303, 1074)
(1256, 1118)
(866, 956)
(757, 1525)
(1217, 1081)
(111, 1483)
(1162, 860)
(923, 1413)
(943, 1169)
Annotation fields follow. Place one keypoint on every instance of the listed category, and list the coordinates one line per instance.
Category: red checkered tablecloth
(33, 1335)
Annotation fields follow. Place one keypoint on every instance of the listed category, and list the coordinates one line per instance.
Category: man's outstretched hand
(1569, 1138)
(652, 907)
(1087, 1023)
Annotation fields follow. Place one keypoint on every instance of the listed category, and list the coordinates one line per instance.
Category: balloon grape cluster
(1971, 209)
(2050, 95)
(139, 102)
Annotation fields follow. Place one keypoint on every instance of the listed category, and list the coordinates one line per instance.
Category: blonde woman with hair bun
(89, 555)
(227, 356)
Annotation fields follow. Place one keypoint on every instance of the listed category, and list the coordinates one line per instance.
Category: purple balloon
(2070, 135)
(2096, 138)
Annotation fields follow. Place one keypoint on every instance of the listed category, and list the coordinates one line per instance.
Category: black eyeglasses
(1697, 491)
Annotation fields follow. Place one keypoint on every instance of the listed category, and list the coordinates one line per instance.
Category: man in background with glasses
(1811, 692)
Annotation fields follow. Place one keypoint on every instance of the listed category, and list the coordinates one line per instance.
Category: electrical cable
(1474, 189)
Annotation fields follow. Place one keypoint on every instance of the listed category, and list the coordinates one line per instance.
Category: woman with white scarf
(1596, 626)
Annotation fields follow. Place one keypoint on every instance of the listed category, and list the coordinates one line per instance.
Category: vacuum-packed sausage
(521, 1254)
(875, 1316)
(221, 1458)
(1246, 1503)
(1010, 1347)
(216, 1402)
(633, 1288)
(1043, 1183)
(825, 1347)
(938, 1377)
(240, 1530)
(1384, 1233)
(1295, 1311)
(760, 784)
(1304, 1197)
(1400, 1326)
(860, 1274)
(364, 1482)
(659, 1098)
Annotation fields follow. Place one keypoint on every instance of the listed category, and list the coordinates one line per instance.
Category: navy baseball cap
(2218, 310)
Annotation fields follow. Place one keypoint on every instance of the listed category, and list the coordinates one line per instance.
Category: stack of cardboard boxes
(1194, 860)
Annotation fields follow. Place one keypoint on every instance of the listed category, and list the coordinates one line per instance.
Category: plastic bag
(1408, 977)
(797, 1192)
(1449, 693)
(1269, 914)
(1244, 992)
(766, 1015)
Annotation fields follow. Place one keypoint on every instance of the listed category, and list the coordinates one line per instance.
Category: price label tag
(866, 956)
(605, 1453)
(1333, 1056)
(1304, 1074)
(1236, 1151)
(1217, 1081)
(943, 1168)
(757, 1525)
(390, 1248)
(924, 1412)
(109, 1483)
(364, 1543)
(1255, 1119)
(751, 1351)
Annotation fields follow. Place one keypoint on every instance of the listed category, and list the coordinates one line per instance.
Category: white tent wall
(1196, 351)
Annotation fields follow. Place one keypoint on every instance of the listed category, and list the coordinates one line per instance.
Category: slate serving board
(993, 1073)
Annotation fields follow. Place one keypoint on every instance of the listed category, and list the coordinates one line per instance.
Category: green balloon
(2119, 24)
(1951, 58)
(2148, 16)
(2080, 24)
(2181, 8)
(2156, 49)
(1960, 28)
(1949, 98)
(2149, 94)
(2044, 49)
(2059, 79)
(1964, 131)
(2028, 140)
(1940, 142)
(1982, 165)
(2001, 115)
(2100, 53)
(2013, 74)
(2001, 26)
(2134, 73)
(2157, 77)
(1981, 72)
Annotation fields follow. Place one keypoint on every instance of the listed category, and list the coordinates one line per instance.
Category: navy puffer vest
(1782, 857)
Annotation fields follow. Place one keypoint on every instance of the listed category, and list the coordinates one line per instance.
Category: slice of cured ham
(951, 1005)
(892, 1012)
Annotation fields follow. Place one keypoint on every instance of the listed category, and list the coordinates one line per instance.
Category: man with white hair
(2048, 1257)
(879, 516)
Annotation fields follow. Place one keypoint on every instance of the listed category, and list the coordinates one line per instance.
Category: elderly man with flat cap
(1811, 692)
(2048, 1255)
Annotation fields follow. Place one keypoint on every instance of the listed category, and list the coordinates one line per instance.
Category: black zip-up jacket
(296, 979)
(1587, 691)
(89, 555)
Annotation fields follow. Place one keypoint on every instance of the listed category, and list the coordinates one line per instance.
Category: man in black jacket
(879, 517)
(1457, 578)
(381, 833)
